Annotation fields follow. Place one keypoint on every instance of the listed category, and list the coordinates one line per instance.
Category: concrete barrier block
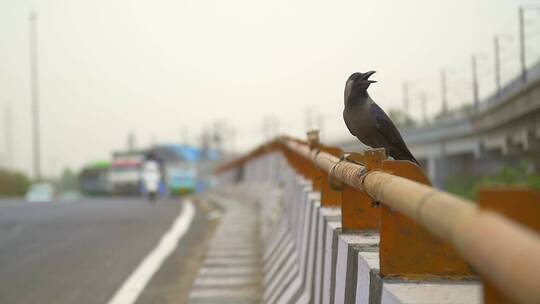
(372, 289)
(349, 244)
(271, 269)
(368, 282)
(307, 245)
(325, 214)
(309, 277)
(333, 229)
(279, 281)
(294, 286)
(273, 240)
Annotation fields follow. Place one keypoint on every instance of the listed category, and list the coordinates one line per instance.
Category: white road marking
(137, 281)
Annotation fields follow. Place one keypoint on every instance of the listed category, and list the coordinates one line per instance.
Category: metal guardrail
(504, 252)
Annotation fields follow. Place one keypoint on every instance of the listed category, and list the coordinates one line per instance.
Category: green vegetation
(522, 175)
(13, 183)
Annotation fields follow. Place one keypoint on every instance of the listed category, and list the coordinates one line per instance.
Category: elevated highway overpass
(503, 130)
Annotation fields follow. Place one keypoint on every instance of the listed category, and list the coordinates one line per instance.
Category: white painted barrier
(307, 258)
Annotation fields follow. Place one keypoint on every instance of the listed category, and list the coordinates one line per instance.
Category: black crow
(368, 122)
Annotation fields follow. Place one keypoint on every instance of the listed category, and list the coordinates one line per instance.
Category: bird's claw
(355, 158)
(344, 156)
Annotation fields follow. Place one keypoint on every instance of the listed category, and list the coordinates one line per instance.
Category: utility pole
(131, 142)
(218, 136)
(275, 126)
(270, 127)
(8, 136)
(266, 126)
(522, 44)
(34, 87)
(233, 140)
(444, 99)
(320, 125)
(497, 65)
(475, 82)
(423, 103)
(406, 98)
(185, 136)
(309, 118)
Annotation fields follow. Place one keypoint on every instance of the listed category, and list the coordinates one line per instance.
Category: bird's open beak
(367, 75)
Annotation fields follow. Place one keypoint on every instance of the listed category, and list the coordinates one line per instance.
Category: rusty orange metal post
(407, 249)
(520, 204)
(329, 196)
(316, 174)
(358, 210)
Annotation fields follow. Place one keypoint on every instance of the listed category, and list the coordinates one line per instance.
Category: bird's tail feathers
(404, 155)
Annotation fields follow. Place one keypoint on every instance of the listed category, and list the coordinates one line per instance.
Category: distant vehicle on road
(125, 173)
(94, 179)
(40, 193)
(151, 175)
(186, 169)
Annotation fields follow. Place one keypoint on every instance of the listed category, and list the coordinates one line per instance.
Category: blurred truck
(125, 172)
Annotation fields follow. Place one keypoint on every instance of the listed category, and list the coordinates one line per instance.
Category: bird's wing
(386, 127)
(347, 122)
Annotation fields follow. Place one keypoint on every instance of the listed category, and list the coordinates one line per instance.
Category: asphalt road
(82, 252)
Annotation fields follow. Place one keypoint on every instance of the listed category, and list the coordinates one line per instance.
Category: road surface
(83, 251)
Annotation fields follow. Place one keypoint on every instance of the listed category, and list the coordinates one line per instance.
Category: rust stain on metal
(408, 250)
(329, 195)
(520, 204)
(373, 159)
(357, 210)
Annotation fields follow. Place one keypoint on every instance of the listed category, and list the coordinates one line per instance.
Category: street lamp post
(522, 44)
(475, 82)
(444, 98)
(406, 98)
(497, 65)
(34, 92)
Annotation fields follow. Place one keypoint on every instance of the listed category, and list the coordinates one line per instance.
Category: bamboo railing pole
(439, 211)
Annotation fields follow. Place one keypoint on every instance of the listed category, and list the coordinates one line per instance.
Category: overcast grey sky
(108, 67)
